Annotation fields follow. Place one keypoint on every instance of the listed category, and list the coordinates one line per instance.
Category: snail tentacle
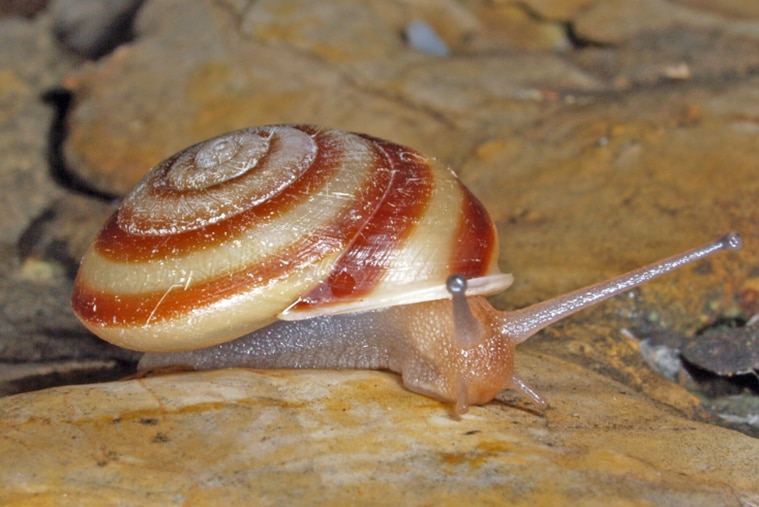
(469, 331)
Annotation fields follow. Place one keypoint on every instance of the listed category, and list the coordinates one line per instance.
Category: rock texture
(313, 438)
(30, 65)
(93, 29)
(600, 135)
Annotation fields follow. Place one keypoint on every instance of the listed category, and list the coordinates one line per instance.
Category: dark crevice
(715, 385)
(576, 40)
(118, 370)
(60, 100)
(579, 42)
(120, 32)
(723, 322)
(115, 30)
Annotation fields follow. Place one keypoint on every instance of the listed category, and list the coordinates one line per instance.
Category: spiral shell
(279, 222)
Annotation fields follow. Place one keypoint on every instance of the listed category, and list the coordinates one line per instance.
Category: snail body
(297, 246)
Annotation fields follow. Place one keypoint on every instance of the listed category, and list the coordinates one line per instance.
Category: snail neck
(519, 325)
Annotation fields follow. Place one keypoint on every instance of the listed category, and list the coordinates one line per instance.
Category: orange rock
(316, 437)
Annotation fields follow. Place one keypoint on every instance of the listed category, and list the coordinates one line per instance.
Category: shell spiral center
(217, 179)
(217, 161)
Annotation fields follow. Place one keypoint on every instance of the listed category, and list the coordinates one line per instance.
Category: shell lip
(479, 286)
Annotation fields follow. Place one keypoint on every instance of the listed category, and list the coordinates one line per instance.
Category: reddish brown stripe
(476, 238)
(106, 309)
(121, 246)
(359, 270)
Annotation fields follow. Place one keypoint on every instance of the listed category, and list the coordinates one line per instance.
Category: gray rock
(36, 321)
(30, 64)
(26, 8)
(93, 28)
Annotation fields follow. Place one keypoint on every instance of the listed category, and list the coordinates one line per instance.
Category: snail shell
(280, 222)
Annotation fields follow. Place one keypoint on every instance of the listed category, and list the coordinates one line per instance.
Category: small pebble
(423, 38)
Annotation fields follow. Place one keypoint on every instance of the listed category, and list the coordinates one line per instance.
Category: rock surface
(92, 28)
(32, 66)
(234, 437)
(600, 137)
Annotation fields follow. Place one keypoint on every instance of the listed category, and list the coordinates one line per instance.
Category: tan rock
(269, 69)
(563, 10)
(584, 182)
(732, 8)
(621, 183)
(615, 21)
(314, 438)
(514, 26)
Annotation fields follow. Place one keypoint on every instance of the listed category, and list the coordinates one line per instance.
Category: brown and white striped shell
(280, 222)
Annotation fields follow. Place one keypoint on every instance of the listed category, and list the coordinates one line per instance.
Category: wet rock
(730, 9)
(646, 161)
(639, 173)
(454, 21)
(32, 376)
(41, 341)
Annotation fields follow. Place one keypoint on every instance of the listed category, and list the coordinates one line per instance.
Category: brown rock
(563, 10)
(37, 324)
(262, 69)
(314, 437)
(616, 21)
(618, 183)
(512, 25)
(671, 56)
(585, 178)
(732, 8)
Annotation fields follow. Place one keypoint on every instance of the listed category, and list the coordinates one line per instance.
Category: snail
(294, 246)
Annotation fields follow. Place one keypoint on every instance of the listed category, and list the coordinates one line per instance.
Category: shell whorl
(279, 222)
(216, 179)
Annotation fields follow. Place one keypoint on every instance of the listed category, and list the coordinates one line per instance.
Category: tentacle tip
(521, 386)
(456, 284)
(732, 241)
